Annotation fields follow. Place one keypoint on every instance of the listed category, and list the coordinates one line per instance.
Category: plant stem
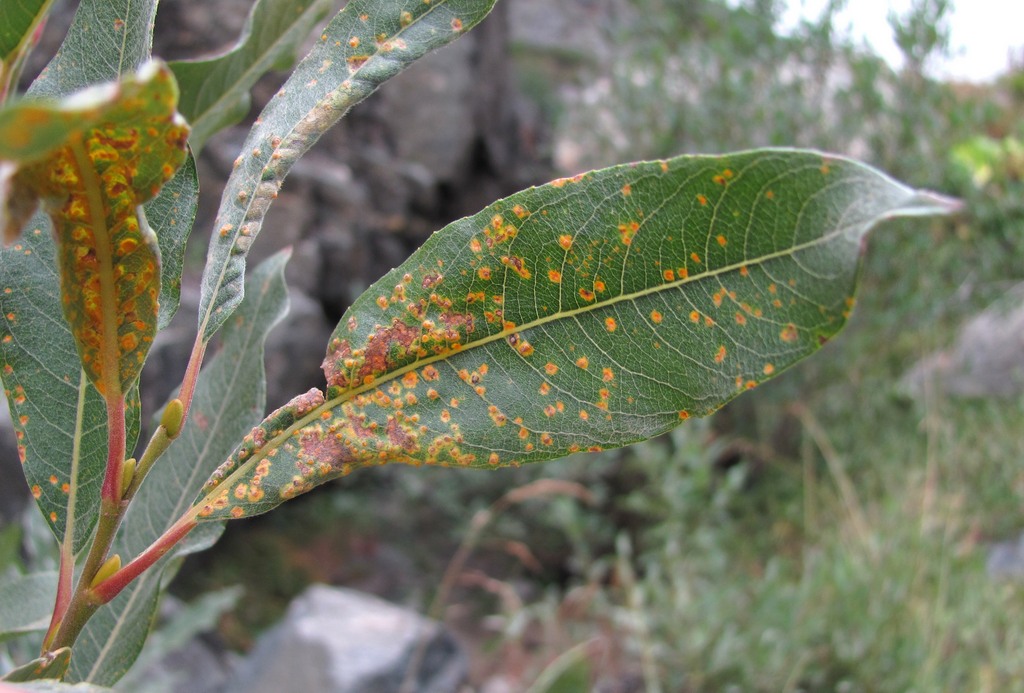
(112, 586)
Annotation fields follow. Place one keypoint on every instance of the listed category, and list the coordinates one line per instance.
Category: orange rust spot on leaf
(744, 271)
(769, 194)
(607, 375)
(610, 324)
(720, 354)
(722, 241)
(702, 200)
(741, 319)
(695, 257)
(694, 316)
(587, 294)
(789, 333)
(544, 389)
(550, 368)
(520, 211)
(565, 241)
(583, 362)
(628, 231)
(517, 265)
(456, 24)
(669, 275)
(684, 415)
(484, 273)
(656, 317)
(356, 61)
(555, 276)
(768, 369)
(584, 414)
(493, 459)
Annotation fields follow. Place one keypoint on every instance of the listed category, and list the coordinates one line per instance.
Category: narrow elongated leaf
(49, 686)
(171, 215)
(92, 187)
(215, 92)
(229, 400)
(588, 313)
(59, 417)
(26, 602)
(53, 666)
(367, 43)
(20, 25)
(18, 19)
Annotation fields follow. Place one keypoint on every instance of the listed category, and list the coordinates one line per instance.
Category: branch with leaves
(588, 313)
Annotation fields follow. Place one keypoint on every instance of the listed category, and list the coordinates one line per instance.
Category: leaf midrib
(272, 444)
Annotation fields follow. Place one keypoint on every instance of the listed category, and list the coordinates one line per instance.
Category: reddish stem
(64, 586)
(115, 449)
(112, 586)
(188, 383)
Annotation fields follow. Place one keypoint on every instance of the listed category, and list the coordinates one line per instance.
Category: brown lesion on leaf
(401, 437)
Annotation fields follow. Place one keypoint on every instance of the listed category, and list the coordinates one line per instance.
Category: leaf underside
(367, 43)
(92, 186)
(588, 313)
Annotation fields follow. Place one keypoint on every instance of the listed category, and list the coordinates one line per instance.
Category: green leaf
(107, 39)
(49, 686)
(171, 215)
(20, 24)
(26, 602)
(215, 92)
(92, 187)
(18, 19)
(190, 621)
(52, 666)
(59, 418)
(368, 42)
(229, 399)
(585, 314)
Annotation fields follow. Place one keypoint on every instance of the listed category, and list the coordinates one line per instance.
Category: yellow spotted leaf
(92, 181)
(588, 313)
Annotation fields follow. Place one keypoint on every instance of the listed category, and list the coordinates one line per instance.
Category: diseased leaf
(368, 42)
(59, 418)
(26, 602)
(92, 186)
(52, 666)
(585, 314)
(229, 399)
(215, 91)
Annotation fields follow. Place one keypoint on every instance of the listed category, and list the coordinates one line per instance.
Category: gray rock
(335, 640)
(1006, 560)
(986, 360)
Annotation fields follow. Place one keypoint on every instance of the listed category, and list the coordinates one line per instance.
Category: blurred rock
(295, 349)
(1006, 560)
(335, 640)
(986, 360)
(13, 489)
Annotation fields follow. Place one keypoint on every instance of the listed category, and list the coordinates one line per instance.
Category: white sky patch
(984, 33)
